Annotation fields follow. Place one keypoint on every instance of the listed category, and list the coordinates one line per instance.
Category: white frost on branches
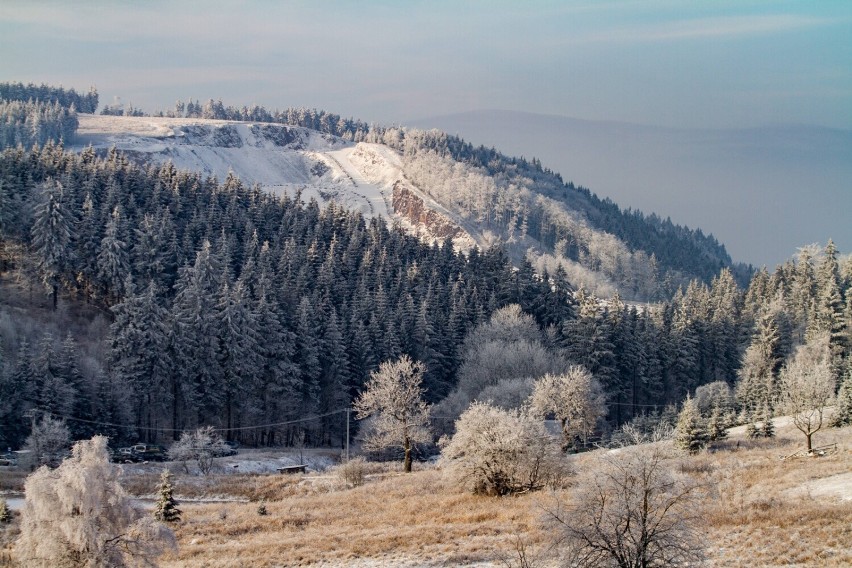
(499, 452)
(79, 515)
(393, 398)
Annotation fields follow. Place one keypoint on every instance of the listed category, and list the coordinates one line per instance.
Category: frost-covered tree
(393, 397)
(499, 452)
(690, 432)
(52, 234)
(47, 441)
(716, 425)
(199, 446)
(630, 511)
(575, 398)
(716, 394)
(843, 409)
(5, 513)
(113, 263)
(807, 386)
(166, 507)
(79, 515)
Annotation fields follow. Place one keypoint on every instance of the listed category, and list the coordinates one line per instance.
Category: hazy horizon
(653, 64)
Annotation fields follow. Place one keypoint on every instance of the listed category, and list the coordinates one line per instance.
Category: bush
(199, 446)
(500, 452)
(79, 515)
(629, 510)
(353, 473)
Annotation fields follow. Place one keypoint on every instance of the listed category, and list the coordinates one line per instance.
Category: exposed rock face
(410, 206)
(280, 136)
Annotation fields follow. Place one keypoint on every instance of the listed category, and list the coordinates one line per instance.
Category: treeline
(230, 306)
(66, 98)
(675, 247)
(520, 198)
(35, 122)
(319, 120)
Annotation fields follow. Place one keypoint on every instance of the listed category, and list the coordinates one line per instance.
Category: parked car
(126, 455)
(227, 449)
(150, 452)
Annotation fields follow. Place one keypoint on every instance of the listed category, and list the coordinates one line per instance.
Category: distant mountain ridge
(763, 191)
(437, 186)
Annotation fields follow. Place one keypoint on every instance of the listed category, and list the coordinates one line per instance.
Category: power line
(157, 429)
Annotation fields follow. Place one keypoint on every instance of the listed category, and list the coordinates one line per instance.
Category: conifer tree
(843, 407)
(767, 429)
(716, 427)
(113, 263)
(52, 235)
(5, 513)
(690, 432)
(166, 508)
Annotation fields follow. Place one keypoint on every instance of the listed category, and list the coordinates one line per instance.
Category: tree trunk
(809, 434)
(55, 296)
(407, 465)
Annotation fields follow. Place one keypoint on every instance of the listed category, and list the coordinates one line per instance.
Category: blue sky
(682, 64)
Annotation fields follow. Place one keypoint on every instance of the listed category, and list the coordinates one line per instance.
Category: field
(757, 510)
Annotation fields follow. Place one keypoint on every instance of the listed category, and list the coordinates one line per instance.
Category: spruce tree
(767, 429)
(52, 235)
(690, 432)
(716, 427)
(5, 513)
(166, 508)
(843, 408)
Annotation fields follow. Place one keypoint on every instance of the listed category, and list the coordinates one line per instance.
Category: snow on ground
(833, 487)
(398, 562)
(281, 159)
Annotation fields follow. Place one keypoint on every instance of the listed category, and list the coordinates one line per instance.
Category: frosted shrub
(575, 398)
(199, 446)
(46, 443)
(5, 513)
(629, 509)
(353, 472)
(79, 515)
(499, 452)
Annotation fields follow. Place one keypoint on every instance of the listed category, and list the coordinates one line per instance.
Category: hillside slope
(743, 185)
(437, 187)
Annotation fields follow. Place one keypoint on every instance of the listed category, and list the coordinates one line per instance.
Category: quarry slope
(289, 160)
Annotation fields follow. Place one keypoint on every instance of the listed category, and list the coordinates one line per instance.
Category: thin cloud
(705, 28)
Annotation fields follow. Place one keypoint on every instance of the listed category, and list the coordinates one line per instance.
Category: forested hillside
(225, 305)
(642, 255)
(48, 94)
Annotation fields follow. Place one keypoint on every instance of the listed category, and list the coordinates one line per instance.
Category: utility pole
(347, 434)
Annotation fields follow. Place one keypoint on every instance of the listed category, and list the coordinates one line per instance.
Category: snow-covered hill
(283, 159)
(434, 187)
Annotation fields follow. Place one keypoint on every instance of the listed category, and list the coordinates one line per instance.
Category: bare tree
(807, 386)
(499, 452)
(575, 398)
(630, 511)
(199, 446)
(79, 515)
(394, 399)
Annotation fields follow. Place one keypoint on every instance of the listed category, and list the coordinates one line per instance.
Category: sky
(660, 62)
(721, 64)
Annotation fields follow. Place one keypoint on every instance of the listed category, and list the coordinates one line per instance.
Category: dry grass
(761, 513)
(400, 516)
(759, 510)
